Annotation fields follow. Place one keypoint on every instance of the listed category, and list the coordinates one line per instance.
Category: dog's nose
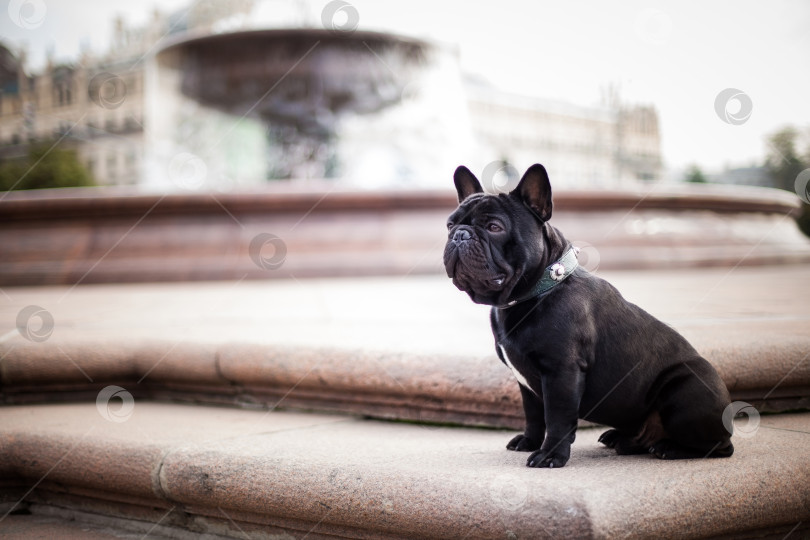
(461, 236)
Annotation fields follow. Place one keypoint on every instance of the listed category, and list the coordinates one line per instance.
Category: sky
(678, 57)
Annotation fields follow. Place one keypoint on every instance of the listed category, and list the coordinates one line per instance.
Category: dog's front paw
(549, 459)
(522, 443)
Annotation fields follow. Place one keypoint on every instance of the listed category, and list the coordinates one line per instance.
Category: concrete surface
(410, 314)
(412, 348)
(55, 525)
(253, 473)
(120, 464)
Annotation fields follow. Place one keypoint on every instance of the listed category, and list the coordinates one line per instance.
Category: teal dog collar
(554, 274)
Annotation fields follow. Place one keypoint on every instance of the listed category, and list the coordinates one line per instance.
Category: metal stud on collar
(553, 275)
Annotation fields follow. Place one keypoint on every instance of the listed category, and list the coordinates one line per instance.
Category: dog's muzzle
(468, 262)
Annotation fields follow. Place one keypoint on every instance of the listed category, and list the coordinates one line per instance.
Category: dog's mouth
(474, 274)
(483, 290)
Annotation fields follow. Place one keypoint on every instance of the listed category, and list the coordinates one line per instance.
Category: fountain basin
(254, 105)
(89, 235)
(303, 77)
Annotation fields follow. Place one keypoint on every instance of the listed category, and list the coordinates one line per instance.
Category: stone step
(106, 453)
(170, 470)
(66, 524)
(412, 348)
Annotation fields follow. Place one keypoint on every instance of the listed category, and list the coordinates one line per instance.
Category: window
(112, 163)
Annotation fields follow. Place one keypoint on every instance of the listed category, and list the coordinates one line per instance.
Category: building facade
(97, 106)
(93, 106)
(615, 145)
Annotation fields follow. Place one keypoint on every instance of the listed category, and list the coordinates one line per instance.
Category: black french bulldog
(577, 348)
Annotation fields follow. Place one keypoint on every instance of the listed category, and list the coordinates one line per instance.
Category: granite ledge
(771, 372)
(234, 472)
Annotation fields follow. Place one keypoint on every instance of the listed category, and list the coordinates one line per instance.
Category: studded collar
(554, 274)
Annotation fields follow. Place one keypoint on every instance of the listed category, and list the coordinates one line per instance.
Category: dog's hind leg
(650, 432)
(692, 415)
(624, 444)
(668, 449)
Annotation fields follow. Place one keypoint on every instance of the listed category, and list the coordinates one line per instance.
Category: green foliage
(785, 161)
(47, 166)
(695, 175)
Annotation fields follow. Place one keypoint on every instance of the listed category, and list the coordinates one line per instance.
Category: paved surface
(394, 347)
(415, 342)
(56, 526)
(411, 314)
(318, 474)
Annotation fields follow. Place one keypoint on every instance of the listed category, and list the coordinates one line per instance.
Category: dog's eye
(494, 227)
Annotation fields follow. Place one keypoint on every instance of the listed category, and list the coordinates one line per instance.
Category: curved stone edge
(225, 482)
(359, 479)
(773, 374)
(70, 202)
(86, 236)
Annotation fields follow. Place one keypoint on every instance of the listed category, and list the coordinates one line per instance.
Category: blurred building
(98, 105)
(579, 146)
(744, 176)
(94, 105)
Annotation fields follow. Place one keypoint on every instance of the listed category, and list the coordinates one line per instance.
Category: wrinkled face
(493, 240)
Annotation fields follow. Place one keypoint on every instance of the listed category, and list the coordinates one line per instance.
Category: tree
(47, 166)
(784, 162)
(695, 175)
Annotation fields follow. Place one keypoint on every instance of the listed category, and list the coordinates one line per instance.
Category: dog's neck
(539, 281)
(557, 245)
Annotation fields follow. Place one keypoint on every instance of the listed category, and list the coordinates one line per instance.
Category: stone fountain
(251, 106)
(240, 109)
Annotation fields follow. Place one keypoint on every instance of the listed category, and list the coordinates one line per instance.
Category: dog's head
(498, 245)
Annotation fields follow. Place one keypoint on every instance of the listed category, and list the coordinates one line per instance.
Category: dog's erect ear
(466, 183)
(534, 190)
